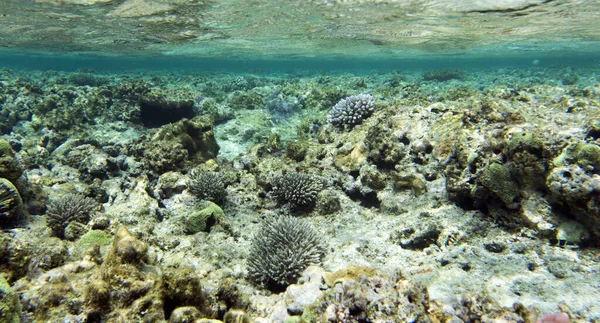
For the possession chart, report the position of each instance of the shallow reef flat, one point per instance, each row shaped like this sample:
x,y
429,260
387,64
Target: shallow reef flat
x,y
398,196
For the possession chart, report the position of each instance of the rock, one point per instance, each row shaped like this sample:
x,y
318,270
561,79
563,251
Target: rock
x,y
328,202
236,316
11,206
299,296
14,257
195,135
182,288
126,249
185,314
498,180
74,230
169,184
412,181
10,167
353,159
10,307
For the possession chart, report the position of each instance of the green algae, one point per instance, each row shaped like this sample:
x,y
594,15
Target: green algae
x,y
94,237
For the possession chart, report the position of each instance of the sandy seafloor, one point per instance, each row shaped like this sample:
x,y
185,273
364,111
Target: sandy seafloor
x,y
444,205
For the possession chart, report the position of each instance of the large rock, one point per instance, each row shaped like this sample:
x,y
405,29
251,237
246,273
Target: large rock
x,y
11,206
10,167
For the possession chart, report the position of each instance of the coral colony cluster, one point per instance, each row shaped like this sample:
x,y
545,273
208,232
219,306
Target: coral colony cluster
x,y
441,197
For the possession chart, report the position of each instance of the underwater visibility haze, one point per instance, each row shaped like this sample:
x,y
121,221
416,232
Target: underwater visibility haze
x,y
299,161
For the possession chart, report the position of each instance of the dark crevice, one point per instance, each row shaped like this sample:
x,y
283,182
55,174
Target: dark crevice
x,y
366,200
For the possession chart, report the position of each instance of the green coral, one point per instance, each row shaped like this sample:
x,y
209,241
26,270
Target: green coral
x,y
584,154
203,220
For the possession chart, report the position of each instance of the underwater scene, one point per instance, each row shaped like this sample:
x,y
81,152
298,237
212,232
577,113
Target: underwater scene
x,y
206,161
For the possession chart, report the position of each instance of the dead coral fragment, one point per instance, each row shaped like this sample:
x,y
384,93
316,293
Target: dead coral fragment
x,y
69,208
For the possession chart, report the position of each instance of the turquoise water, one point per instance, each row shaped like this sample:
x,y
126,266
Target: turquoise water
x,y
315,65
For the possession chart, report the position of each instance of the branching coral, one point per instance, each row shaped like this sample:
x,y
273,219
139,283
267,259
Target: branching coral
x,y
206,185
297,189
67,209
351,110
282,249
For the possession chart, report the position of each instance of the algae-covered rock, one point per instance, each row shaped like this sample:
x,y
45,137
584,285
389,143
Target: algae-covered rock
x,y
157,110
528,159
296,150
175,144
498,180
588,155
126,249
386,145
236,316
195,135
10,308
182,287
185,314
352,158
205,219
11,206
10,167
14,257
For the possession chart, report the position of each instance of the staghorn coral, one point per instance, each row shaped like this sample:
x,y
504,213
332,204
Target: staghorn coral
x,y
297,189
351,110
206,185
68,209
281,250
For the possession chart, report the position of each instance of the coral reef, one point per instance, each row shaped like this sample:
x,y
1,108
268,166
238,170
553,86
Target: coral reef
x,y
476,199
281,250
